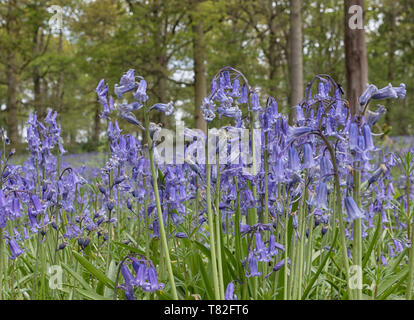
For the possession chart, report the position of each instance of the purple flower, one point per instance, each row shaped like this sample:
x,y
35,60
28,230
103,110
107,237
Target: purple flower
x,y
352,209
167,108
367,94
141,93
126,84
253,267
208,108
366,132
255,103
14,249
244,94
321,199
230,292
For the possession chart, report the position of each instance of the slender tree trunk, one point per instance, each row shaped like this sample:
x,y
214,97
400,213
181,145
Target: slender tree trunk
x,y
355,55
43,97
97,124
11,76
200,80
391,54
59,93
12,129
273,57
162,87
37,95
295,59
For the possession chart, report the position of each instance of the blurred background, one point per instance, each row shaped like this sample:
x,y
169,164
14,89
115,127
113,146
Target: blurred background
x,y
178,46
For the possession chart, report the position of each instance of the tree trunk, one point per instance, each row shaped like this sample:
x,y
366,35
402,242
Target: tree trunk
x,y
12,131
295,59
200,80
273,57
355,57
97,124
391,54
11,75
37,95
59,93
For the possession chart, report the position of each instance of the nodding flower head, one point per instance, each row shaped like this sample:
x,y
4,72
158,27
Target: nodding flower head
x,y
167,108
208,107
255,103
14,249
126,84
244,97
230,292
352,209
141,93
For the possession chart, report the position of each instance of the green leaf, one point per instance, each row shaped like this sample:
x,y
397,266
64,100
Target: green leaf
x,y
93,270
91,294
77,276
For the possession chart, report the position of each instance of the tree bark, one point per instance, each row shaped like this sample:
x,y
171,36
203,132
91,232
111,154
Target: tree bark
x,y
295,59
59,93
200,80
355,58
12,129
11,75
391,54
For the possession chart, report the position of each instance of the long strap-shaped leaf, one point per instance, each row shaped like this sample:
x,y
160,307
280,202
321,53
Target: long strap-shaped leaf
x,y
325,259
95,271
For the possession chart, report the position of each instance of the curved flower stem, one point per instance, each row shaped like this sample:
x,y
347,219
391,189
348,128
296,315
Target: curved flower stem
x,y
158,203
302,232
2,247
253,187
218,231
338,210
211,224
411,252
357,259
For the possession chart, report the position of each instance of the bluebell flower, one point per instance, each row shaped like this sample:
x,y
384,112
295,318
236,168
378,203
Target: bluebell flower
x,y
130,117
253,267
352,209
321,198
208,108
367,94
387,92
126,84
141,93
308,160
167,108
128,286
230,292
129,107
353,136
244,94
14,249
366,132
293,163
236,89
372,117
299,131
255,103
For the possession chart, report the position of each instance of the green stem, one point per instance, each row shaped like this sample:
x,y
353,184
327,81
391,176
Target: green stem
x,y
2,249
338,210
357,259
218,231
411,252
211,224
158,203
